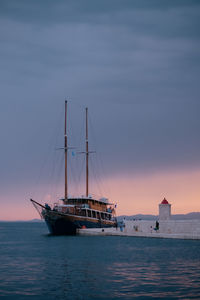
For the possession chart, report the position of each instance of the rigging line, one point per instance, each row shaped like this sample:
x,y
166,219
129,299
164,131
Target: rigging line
x,y
95,177
57,182
78,162
59,129
60,173
82,169
53,178
80,134
75,140
52,174
100,167
72,175
99,160
76,165
46,157
99,178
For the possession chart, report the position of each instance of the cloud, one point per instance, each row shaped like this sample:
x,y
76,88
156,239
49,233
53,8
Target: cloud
x,y
135,64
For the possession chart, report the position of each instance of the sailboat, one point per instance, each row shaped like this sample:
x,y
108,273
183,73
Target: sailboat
x,y
79,212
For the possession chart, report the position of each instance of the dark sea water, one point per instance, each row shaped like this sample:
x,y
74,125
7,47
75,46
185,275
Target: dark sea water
x,y
34,265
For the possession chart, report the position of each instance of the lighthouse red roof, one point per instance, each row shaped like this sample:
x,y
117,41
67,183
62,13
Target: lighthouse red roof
x,y
164,201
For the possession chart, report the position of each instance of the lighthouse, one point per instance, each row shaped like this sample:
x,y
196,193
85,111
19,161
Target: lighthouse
x,y
164,210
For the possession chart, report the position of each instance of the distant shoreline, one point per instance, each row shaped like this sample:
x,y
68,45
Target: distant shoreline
x,y
188,216
32,221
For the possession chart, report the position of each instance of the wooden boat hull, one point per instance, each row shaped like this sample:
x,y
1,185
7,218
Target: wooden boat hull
x,y
60,223
63,224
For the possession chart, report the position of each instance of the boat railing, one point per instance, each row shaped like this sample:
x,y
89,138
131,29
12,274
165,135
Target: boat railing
x,y
79,210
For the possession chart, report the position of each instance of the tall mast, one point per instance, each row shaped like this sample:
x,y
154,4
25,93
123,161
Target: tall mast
x,y
65,147
86,151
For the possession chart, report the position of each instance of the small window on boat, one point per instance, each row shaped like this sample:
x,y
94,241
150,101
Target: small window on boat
x,y
102,215
94,214
83,212
98,217
89,213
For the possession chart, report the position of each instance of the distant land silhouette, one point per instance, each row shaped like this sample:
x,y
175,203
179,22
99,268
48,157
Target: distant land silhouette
x,y
189,216
33,220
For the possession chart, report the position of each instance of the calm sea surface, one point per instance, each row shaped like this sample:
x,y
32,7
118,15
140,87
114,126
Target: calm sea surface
x,y
35,265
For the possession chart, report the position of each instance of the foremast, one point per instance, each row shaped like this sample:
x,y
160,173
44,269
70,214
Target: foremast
x,y
66,150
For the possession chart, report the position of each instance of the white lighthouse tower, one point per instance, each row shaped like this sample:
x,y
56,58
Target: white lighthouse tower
x,y
164,210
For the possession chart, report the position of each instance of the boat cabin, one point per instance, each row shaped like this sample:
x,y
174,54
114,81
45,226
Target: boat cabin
x,y
87,207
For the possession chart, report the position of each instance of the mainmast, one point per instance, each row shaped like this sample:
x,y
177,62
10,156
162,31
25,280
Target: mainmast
x,y
86,151
65,148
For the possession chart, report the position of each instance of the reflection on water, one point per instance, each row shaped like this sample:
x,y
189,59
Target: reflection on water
x,y
35,264
171,280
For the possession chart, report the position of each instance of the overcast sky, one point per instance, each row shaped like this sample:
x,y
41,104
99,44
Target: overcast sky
x,y
135,64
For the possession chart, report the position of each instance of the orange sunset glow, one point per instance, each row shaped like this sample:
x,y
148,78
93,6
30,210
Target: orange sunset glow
x,y
143,194
133,194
